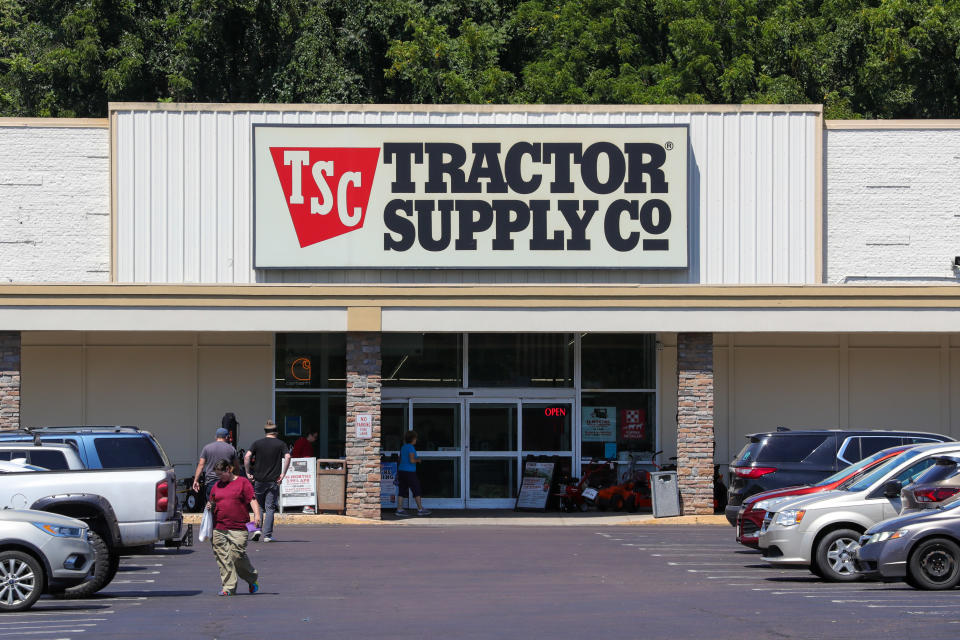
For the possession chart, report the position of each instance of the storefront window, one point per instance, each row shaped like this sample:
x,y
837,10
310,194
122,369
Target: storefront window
x,y
311,361
618,361
520,359
300,413
422,359
612,423
546,426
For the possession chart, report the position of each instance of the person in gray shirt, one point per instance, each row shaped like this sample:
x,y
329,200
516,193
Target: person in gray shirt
x,y
210,455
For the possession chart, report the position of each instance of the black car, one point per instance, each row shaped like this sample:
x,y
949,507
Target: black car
x,y
786,457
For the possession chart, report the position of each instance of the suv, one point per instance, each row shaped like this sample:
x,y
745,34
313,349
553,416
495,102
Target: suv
x,y
120,447
786,458
40,552
52,456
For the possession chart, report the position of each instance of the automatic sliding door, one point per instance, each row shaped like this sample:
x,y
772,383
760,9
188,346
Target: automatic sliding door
x,y
492,459
440,445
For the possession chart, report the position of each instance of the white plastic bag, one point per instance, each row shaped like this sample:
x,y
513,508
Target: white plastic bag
x,y
206,525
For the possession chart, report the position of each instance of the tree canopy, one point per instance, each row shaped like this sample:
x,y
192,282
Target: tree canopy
x,y
860,58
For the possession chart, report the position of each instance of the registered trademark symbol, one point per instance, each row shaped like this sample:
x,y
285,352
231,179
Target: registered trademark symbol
x,y
669,146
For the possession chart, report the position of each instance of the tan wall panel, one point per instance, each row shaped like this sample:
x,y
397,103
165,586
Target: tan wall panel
x,y
49,338
236,379
50,392
667,418
894,340
238,338
895,388
773,387
786,339
150,387
182,338
721,404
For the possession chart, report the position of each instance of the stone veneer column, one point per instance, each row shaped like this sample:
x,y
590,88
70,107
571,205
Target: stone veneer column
x,y
363,396
695,436
9,379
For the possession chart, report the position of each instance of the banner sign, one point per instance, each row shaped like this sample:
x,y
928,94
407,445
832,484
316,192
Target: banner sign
x,y
299,487
633,424
388,484
470,197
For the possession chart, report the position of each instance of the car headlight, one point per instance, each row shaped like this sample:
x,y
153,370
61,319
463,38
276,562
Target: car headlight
x,y
881,536
766,505
790,517
60,530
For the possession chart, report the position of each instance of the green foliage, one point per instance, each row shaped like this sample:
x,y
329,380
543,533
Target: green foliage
x,y
860,58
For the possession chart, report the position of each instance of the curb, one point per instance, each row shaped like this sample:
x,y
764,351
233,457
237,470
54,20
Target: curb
x,y
547,520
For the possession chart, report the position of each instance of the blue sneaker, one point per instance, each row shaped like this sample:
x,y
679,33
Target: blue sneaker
x,y
254,587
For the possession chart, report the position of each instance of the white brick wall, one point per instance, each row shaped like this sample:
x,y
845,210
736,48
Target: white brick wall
x,y
54,204
892,206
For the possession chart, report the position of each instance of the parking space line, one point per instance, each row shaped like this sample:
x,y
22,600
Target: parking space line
x,y
37,633
36,622
40,612
132,581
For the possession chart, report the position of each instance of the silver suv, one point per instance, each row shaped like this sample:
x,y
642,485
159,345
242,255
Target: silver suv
x,y
40,552
56,457
822,532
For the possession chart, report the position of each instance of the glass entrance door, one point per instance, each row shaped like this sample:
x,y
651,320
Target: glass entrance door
x,y
472,449
493,452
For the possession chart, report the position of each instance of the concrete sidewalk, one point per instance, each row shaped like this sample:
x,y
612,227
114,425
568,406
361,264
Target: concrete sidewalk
x,y
495,517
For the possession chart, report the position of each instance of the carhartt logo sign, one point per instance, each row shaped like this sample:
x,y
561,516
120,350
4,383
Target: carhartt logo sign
x,y
326,189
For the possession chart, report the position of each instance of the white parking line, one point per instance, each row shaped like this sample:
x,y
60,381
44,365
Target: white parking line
x,y
40,612
706,564
36,633
913,607
39,622
131,581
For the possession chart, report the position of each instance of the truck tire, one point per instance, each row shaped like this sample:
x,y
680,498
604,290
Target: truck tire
x,y
22,581
105,565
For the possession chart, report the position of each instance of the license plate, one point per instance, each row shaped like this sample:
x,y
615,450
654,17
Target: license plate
x,y
590,493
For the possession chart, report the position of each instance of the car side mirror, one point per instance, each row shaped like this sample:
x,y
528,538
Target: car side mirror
x,y
892,489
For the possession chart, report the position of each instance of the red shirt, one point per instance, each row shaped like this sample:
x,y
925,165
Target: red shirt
x,y
302,448
232,504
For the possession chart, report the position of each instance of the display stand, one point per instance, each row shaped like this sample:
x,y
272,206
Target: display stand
x,y
536,484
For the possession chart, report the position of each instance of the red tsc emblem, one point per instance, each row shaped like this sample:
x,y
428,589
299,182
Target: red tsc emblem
x,y
326,189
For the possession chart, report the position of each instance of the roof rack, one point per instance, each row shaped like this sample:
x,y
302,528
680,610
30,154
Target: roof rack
x,y
86,428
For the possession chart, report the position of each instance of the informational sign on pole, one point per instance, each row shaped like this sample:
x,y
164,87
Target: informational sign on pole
x,y
535,486
364,424
299,487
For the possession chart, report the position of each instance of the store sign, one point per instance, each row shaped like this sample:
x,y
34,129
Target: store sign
x,y
469,197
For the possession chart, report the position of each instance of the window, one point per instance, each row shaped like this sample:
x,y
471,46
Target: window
x,y
322,411
422,360
618,361
785,448
127,453
311,361
50,459
546,427
520,359
615,422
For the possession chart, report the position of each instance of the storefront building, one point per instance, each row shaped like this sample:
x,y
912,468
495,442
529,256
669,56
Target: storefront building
x,y
592,283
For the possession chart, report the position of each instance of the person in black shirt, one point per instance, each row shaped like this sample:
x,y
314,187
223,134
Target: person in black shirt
x,y
267,462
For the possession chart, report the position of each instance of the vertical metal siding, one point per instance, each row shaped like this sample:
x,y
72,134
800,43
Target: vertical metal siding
x,y
184,197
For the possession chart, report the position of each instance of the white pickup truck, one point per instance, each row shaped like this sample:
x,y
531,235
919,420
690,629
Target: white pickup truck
x,y
124,507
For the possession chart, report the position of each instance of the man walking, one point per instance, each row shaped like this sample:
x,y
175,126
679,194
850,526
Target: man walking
x,y
210,455
267,462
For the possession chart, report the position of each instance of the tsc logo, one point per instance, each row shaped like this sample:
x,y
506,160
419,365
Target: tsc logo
x,y
326,189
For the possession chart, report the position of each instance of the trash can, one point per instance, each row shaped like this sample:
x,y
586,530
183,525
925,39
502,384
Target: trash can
x,y
665,493
331,485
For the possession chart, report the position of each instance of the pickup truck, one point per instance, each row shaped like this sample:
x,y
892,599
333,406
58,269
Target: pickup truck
x,y
124,506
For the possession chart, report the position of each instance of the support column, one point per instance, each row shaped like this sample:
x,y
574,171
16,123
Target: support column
x,y
9,379
695,436
363,397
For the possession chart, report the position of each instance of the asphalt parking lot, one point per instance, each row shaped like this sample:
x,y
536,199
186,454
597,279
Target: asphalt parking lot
x,y
485,582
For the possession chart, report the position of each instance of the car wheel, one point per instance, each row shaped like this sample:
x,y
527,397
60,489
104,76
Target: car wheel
x,y
815,570
191,503
21,581
833,556
105,564
935,565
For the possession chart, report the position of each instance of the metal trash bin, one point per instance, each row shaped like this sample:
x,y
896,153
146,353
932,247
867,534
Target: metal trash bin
x,y
665,493
331,485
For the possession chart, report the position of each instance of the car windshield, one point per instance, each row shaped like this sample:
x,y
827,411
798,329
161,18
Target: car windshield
x,y
866,481
856,468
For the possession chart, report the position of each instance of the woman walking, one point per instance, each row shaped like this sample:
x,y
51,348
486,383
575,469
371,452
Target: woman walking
x,y
229,500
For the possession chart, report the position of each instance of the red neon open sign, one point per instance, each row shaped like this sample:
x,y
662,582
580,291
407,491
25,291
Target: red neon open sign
x,y
555,412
